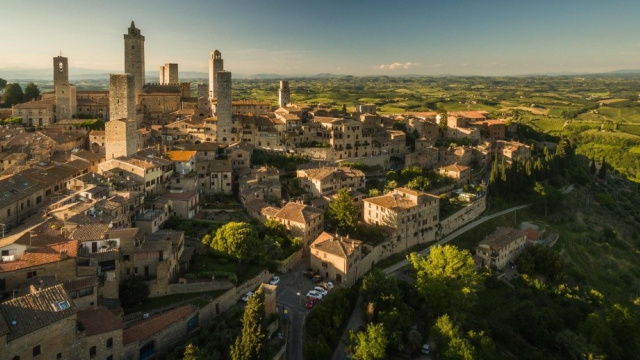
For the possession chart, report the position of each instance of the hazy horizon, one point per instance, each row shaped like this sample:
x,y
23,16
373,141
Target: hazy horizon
x,y
418,37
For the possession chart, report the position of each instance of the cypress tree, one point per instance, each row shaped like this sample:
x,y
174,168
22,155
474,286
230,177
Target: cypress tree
x,y
252,342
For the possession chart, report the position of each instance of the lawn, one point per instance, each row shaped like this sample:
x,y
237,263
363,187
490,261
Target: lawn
x,y
549,125
164,301
217,262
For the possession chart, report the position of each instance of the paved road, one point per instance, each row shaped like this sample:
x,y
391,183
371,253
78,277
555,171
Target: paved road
x,y
397,266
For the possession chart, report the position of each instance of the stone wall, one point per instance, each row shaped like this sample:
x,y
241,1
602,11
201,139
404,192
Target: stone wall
x,y
200,286
462,216
291,262
317,153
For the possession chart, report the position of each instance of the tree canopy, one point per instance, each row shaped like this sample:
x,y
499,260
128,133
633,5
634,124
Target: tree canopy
x,y
343,213
238,239
251,344
446,278
31,91
370,344
12,94
3,83
133,291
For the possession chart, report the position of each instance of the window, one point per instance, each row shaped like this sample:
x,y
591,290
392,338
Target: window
x,y
59,356
92,352
36,350
110,357
5,252
31,274
125,257
109,343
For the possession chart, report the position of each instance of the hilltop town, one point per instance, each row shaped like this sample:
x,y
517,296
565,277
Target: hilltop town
x,y
105,195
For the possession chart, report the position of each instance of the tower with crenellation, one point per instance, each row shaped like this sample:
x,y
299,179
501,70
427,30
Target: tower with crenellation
x,y
284,94
169,74
134,56
216,64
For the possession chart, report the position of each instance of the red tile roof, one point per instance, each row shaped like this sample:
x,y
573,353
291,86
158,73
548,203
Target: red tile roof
x,y
148,327
99,320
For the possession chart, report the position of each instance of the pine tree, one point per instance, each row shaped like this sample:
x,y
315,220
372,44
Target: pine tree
x,y
603,170
251,344
592,167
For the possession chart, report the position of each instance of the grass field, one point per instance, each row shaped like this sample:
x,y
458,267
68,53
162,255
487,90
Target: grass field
x,y
549,125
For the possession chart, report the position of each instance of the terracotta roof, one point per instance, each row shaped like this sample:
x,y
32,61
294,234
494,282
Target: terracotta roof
x,y
501,237
99,320
97,133
90,232
336,245
392,201
299,213
42,255
35,104
87,155
532,234
33,311
454,167
183,196
180,155
82,283
148,327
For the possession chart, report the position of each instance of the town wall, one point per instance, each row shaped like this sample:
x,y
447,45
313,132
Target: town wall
x,y
463,216
380,160
200,286
291,262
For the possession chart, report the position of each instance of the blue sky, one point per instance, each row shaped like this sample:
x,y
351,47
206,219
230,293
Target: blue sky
x,y
292,37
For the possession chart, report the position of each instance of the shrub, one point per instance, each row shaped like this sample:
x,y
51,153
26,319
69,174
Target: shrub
x,y
223,261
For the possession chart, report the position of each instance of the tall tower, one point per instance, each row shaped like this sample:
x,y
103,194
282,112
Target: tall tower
x,y
60,71
215,65
66,103
134,56
169,74
284,94
122,104
121,138
224,125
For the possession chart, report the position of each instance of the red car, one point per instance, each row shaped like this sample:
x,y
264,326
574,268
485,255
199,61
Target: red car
x,y
311,303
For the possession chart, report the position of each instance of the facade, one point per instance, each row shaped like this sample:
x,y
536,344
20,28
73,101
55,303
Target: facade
x,y
121,138
35,112
410,213
134,58
336,257
322,181
169,74
122,96
501,247
301,220
224,126
461,173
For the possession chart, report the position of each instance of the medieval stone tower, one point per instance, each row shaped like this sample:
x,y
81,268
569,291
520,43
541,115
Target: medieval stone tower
x,y
120,138
122,104
224,125
134,56
284,94
215,65
66,105
169,74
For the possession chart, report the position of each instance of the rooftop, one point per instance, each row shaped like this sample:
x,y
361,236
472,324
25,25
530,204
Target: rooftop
x,y
299,213
148,327
335,244
99,320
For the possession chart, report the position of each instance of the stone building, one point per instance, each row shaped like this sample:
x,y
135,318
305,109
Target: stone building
x,y
35,112
134,58
460,173
169,74
65,93
225,133
40,324
99,334
301,220
410,213
501,247
122,97
336,257
322,181
121,138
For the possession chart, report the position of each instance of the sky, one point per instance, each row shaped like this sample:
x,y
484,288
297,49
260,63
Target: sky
x,y
305,37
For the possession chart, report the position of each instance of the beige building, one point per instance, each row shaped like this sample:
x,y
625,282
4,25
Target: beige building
x,y
337,258
460,173
513,150
411,213
301,220
183,204
501,247
35,112
322,181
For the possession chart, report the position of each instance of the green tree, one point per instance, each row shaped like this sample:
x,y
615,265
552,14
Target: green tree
x,y
133,291
452,345
192,352
252,342
238,239
343,213
370,344
602,173
444,116
3,84
446,278
31,91
273,227
592,166
12,95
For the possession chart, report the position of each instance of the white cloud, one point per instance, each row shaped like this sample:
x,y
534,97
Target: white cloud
x,y
397,65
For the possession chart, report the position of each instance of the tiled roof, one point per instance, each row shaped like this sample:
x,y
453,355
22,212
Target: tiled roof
x,y
501,237
181,155
299,213
90,232
28,313
82,283
454,167
148,327
392,201
89,156
336,245
180,196
99,320
42,255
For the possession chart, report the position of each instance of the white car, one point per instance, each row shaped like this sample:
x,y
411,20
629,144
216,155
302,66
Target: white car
x,y
274,280
315,294
327,285
246,296
426,349
320,290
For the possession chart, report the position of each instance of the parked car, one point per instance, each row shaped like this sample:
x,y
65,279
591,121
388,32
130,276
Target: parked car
x,y
311,303
315,294
327,285
308,273
426,349
274,280
246,296
316,278
320,290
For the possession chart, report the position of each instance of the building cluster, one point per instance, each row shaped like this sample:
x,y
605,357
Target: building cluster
x,y
82,210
